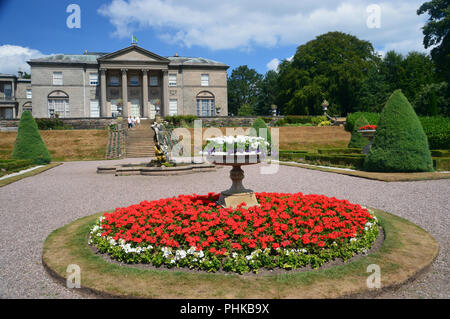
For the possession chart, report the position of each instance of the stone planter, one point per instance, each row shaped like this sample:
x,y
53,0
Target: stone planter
x,y
369,134
237,193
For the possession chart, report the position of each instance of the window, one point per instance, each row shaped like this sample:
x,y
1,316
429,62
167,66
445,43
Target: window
x,y
134,80
95,108
205,79
173,107
8,90
153,81
57,78
59,107
205,107
172,80
93,79
29,94
114,80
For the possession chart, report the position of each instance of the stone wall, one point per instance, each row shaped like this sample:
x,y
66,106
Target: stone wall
x,y
75,123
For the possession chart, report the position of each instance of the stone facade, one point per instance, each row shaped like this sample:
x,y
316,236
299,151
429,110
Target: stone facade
x,y
132,81
13,95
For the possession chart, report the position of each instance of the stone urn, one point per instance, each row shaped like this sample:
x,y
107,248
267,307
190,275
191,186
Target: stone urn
x,y
369,134
237,194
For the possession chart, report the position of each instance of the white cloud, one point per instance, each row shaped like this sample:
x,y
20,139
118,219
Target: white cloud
x,y
236,24
273,64
13,57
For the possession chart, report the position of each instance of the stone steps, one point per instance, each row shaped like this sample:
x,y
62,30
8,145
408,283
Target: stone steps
x,y
139,141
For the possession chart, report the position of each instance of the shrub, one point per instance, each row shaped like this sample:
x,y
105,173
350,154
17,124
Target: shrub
x,y
400,144
29,144
324,123
49,124
437,130
371,118
298,119
260,124
440,153
176,120
318,119
357,140
10,165
441,163
292,155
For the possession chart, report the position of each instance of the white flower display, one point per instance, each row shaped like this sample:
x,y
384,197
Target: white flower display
x,y
236,145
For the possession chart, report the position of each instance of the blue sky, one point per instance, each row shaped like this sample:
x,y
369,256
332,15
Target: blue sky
x,y
258,33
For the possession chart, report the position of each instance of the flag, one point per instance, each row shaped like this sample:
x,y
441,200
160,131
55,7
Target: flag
x,y
134,39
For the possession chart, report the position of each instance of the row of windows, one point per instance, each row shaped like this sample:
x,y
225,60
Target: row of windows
x,y
134,80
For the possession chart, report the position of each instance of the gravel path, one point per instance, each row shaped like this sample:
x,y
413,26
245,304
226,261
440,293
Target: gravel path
x,y
33,207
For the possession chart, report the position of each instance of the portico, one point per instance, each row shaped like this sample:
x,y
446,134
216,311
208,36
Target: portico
x,y
134,81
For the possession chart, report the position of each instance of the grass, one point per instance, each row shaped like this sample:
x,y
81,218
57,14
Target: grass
x,y
406,251
69,145
385,177
13,179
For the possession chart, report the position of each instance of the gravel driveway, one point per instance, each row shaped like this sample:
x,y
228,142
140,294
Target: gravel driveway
x,y
33,207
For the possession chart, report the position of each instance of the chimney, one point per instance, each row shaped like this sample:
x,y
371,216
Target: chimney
x,y
176,55
20,73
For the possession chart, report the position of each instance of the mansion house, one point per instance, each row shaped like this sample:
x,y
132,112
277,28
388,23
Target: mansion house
x,y
129,82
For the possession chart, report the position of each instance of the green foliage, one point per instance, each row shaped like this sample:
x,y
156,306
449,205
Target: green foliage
x,y
374,91
441,163
433,99
437,34
49,124
437,130
267,93
260,124
246,110
331,66
29,144
400,143
177,120
357,140
291,155
12,165
440,153
243,88
372,118
354,160
318,119
340,151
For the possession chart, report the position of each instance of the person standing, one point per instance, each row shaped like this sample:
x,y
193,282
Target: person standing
x,y
130,122
138,121
134,121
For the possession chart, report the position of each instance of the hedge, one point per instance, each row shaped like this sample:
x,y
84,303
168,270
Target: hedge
x,y
291,155
10,165
346,160
260,124
437,130
29,144
440,153
441,163
177,119
400,144
340,151
357,140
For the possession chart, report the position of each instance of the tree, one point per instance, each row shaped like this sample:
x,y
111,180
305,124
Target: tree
x,y
374,91
267,93
400,144
246,110
419,71
29,144
243,88
433,99
331,66
436,33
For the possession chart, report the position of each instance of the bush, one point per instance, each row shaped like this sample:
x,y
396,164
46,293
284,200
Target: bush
x,y
357,140
260,124
49,124
10,165
298,119
356,160
176,120
292,155
400,144
441,163
318,119
440,153
329,151
29,144
437,130
371,118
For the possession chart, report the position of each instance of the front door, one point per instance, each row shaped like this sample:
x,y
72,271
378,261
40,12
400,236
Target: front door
x,y
135,109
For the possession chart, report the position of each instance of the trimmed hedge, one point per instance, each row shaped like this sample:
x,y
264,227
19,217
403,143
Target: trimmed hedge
x,y
440,153
177,119
10,165
340,151
372,119
441,163
29,144
291,155
400,144
346,160
437,130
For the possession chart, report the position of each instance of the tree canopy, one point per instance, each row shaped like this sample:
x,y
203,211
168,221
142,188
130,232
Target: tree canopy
x,y
243,88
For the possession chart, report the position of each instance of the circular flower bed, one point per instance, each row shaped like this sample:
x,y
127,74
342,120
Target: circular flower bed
x,y
286,231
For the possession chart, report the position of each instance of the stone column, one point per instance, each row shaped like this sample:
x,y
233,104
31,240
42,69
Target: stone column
x,y
145,112
104,106
165,94
125,111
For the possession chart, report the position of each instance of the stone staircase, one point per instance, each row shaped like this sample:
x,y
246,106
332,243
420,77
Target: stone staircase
x,y
139,141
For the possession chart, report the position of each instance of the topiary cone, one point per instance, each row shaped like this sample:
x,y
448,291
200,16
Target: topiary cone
x,y
29,144
357,140
400,144
260,124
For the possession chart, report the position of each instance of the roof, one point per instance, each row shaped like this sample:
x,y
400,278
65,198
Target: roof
x,y
194,61
3,75
68,58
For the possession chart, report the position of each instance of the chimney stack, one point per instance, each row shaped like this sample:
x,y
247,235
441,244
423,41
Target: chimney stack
x,y
20,73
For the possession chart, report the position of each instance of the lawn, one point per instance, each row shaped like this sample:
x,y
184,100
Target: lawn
x,y
70,145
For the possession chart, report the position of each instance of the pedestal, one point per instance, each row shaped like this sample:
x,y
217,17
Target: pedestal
x,y
237,194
